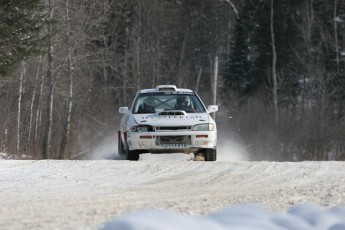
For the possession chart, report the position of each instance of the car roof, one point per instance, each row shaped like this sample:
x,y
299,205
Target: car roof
x,y
165,88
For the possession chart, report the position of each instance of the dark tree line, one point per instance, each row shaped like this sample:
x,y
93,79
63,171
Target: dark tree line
x,y
309,42
68,65
20,32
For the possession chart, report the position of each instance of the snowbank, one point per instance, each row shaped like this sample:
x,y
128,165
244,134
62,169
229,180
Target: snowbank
x,y
242,217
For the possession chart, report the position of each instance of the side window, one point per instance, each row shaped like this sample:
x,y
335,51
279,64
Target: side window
x,y
136,105
197,106
191,101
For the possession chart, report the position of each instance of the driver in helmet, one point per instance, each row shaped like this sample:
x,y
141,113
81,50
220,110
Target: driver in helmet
x,y
148,106
182,104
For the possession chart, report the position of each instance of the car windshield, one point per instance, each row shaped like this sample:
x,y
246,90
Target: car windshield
x,y
165,101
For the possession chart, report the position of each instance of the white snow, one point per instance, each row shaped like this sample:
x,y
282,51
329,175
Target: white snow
x,y
5,156
242,217
166,157
169,192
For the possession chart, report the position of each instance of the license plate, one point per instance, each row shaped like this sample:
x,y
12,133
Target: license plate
x,y
174,146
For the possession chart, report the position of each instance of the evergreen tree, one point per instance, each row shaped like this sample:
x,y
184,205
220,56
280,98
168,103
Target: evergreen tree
x,y
20,31
240,66
251,54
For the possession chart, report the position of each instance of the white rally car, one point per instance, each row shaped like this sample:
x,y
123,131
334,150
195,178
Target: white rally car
x,y
167,119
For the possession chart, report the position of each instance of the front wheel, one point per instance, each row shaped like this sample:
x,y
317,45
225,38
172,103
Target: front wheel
x,y
120,148
133,155
210,154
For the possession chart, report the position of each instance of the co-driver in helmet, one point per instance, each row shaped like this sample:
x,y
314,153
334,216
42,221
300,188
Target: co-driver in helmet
x,y
148,105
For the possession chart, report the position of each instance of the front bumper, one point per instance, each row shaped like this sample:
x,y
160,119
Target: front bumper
x,y
170,142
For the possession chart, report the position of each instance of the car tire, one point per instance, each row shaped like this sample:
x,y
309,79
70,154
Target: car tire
x,y
133,155
210,154
120,148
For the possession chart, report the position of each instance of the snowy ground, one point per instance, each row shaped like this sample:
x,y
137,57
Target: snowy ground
x,y
164,193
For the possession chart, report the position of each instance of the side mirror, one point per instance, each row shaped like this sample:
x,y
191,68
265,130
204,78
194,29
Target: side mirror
x,y
212,108
124,110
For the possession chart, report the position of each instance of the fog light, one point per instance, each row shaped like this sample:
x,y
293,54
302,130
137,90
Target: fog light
x,y
201,136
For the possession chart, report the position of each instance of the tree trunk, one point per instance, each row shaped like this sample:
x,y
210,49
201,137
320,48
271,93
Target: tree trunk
x,y
4,144
67,123
125,71
214,84
336,35
180,76
274,71
33,98
138,42
20,93
198,79
50,91
39,109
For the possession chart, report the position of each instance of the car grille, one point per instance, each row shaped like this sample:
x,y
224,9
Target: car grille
x,y
173,140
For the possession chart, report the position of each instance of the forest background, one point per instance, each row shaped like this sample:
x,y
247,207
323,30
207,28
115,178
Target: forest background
x,y
67,65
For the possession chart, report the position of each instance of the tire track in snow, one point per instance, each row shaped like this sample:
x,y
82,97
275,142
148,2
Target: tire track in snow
x,y
83,194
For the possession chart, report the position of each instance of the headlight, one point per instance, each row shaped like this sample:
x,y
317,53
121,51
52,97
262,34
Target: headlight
x,y
204,127
142,128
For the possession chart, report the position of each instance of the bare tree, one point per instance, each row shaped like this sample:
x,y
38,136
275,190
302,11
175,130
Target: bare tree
x,y
67,122
336,35
20,94
274,66
214,81
199,71
33,101
50,90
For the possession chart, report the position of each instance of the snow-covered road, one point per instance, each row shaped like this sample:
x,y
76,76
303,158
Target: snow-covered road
x,y
52,194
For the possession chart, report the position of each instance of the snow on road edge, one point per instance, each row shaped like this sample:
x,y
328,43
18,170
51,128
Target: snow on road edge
x,y
85,194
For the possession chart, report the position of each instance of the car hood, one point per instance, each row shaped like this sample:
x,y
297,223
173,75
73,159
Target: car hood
x,y
172,120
